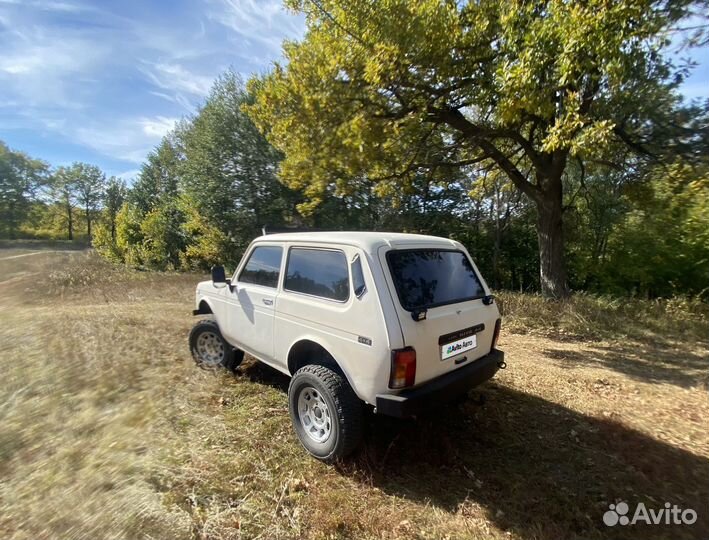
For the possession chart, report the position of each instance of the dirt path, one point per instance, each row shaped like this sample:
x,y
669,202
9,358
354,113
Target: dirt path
x,y
43,252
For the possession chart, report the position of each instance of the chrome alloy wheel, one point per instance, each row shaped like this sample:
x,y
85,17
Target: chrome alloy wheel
x,y
210,349
314,414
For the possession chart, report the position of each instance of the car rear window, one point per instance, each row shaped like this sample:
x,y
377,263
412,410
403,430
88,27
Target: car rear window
x,y
427,278
318,272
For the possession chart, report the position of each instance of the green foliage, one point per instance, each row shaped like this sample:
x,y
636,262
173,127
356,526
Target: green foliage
x,y
661,245
20,178
162,238
62,192
78,185
157,182
114,197
206,190
499,124
129,236
148,225
89,184
48,220
229,170
381,92
105,245
205,243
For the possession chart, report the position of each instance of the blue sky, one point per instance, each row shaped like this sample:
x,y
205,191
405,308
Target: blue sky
x,y
102,82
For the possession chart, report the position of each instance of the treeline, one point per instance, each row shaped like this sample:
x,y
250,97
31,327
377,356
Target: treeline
x,y
210,186
63,203
212,183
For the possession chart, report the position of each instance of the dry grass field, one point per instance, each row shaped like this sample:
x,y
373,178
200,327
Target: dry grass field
x,y
108,430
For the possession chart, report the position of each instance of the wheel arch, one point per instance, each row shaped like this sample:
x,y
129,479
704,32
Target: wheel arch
x,y
204,307
311,351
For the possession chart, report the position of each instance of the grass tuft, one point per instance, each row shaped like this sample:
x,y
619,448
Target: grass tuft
x,y
587,316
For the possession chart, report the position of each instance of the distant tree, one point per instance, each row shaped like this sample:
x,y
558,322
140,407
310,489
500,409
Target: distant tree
x,y
113,200
20,178
129,238
660,245
90,183
157,182
523,87
153,205
229,169
63,191
162,238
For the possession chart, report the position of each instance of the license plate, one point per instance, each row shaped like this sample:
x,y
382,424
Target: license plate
x,y
459,346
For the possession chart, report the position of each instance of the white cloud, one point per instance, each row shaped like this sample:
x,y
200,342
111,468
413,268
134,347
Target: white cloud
x,y
128,175
263,24
41,66
129,139
174,77
158,126
49,5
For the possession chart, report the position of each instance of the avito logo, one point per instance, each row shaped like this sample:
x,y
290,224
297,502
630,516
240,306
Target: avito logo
x,y
671,514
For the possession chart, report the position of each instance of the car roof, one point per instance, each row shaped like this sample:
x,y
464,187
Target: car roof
x,y
368,241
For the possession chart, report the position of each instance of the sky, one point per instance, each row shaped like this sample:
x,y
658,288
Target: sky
x,y
103,81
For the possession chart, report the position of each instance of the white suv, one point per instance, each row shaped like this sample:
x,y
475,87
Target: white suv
x,y
399,322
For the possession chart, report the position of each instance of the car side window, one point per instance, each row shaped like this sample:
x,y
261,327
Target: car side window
x,y
360,286
263,266
318,272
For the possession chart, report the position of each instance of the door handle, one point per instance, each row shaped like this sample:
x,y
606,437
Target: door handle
x,y
267,301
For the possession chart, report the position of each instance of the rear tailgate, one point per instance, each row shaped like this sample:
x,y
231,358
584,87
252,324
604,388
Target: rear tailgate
x,y
458,328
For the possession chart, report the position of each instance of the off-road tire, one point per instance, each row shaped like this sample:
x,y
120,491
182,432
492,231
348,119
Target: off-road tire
x,y
344,407
231,357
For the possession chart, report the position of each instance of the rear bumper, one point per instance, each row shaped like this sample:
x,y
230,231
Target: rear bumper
x,y
440,390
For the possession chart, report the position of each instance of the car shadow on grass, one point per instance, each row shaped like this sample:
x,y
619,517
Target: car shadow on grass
x,y
533,467
258,372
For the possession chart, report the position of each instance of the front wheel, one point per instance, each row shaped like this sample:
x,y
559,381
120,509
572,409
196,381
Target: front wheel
x,y
210,350
326,413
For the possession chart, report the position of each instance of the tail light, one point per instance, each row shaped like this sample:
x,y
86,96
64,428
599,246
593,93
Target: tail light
x,y
496,334
403,368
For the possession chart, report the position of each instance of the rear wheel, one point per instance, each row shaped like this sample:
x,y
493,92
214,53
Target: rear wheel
x,y
326,413
210,350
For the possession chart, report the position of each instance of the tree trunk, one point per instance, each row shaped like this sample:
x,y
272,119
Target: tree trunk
x,y
552,270
498,241
71,221
88,222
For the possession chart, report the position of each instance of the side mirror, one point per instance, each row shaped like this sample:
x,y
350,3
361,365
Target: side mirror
x,y
218,274
489,299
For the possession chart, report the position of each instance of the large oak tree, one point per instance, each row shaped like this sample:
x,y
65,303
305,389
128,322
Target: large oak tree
x,y
383,91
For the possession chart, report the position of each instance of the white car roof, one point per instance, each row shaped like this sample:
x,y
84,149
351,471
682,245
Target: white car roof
x,y
368,241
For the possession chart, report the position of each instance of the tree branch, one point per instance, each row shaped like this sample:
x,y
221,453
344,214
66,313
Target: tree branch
x,y
638,147
480,137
